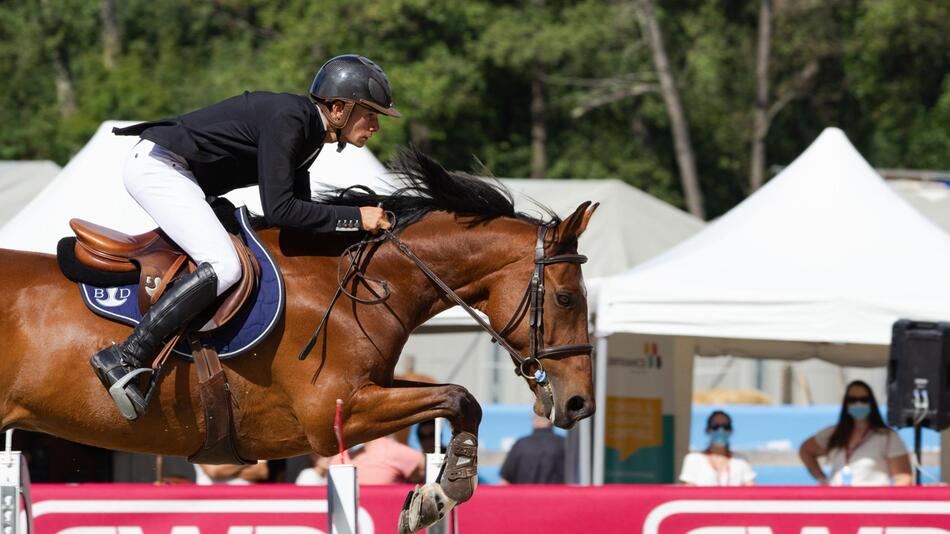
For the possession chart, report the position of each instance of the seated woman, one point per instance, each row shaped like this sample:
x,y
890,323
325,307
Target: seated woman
x,y
861,449
717,466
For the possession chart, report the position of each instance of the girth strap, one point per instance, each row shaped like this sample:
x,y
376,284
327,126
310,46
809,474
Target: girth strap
x,y
220,445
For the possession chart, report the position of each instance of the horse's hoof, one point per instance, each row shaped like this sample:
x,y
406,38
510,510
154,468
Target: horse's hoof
x,y
424,506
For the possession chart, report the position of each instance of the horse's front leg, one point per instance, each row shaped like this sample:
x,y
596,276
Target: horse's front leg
x,y
376,411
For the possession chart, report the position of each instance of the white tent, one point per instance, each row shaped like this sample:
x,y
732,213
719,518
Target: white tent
x,y
90,187
819,262
20,181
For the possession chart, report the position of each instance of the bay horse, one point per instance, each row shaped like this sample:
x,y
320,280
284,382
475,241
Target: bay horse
x,y
464,228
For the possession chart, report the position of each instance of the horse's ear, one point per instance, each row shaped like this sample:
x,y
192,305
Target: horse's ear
x,y
585,217
572,227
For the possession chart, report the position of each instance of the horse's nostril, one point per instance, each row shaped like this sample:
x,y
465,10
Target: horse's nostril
x,y
576,404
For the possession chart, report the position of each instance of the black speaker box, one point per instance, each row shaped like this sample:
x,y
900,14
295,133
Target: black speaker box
x,y
919,361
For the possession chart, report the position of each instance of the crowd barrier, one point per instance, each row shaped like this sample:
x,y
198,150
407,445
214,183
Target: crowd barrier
x,y
286,509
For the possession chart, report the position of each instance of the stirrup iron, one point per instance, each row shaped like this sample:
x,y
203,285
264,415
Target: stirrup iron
x,y
128,407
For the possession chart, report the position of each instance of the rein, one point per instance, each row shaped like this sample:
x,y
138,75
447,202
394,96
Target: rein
x,y
532,303
355,254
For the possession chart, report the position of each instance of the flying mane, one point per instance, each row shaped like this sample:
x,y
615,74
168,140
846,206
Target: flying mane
x,y
426,186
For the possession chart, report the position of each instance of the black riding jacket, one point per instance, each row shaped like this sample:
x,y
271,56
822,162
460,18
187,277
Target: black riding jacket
x,y
262,138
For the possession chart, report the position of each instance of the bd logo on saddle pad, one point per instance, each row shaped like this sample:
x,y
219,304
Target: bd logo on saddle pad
x,y
111,297
250,326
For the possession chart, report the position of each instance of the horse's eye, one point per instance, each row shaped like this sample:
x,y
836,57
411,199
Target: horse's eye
x,y
565,299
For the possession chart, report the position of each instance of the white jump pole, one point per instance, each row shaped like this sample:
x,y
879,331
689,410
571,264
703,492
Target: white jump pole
x,y
343,490
343,499
15,514
434,461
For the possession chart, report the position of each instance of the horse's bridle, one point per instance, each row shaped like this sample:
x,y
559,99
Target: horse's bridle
x,y
532,301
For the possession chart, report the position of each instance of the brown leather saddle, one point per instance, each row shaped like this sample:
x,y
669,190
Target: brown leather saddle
x,y
159,261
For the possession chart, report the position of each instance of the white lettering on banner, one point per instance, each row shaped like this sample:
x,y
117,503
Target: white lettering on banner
x,y
775,509
210,506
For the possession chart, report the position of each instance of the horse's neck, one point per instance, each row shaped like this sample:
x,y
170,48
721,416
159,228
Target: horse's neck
x,y
464,258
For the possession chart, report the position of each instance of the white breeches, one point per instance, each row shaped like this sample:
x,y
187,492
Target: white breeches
x,y
161,182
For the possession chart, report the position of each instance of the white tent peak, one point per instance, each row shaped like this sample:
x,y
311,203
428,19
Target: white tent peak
x,y
824,252
828,195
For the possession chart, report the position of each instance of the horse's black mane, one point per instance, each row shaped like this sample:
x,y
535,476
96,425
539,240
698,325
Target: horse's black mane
x,y
427,186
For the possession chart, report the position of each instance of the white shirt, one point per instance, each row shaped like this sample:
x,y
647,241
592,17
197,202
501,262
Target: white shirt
x,y
698,471
868,461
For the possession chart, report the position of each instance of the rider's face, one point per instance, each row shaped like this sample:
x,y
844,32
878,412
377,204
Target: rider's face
x,y
362,125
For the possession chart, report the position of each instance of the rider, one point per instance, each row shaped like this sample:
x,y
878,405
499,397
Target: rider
x,y
258,137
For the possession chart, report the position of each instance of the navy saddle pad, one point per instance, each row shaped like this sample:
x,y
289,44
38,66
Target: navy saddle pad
x,y
245,330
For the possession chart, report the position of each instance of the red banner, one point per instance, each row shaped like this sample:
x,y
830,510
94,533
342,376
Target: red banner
x,y
285,509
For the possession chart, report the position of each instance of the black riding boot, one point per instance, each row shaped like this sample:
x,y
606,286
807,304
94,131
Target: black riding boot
x,y
118,365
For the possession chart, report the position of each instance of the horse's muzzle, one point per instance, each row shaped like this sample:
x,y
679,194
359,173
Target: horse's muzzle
x,y
578,407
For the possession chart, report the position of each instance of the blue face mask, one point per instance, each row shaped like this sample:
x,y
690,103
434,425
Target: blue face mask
x,y
720,436
859,410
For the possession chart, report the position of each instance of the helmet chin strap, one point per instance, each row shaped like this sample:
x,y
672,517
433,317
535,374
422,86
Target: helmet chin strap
x,y
338,124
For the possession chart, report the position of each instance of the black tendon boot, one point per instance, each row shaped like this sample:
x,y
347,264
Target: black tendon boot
x,y
118,366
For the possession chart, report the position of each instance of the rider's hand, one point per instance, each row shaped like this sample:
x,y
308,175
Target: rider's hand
x,y
373,218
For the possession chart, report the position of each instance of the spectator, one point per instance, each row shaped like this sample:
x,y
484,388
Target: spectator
x,y
174,470
425,433
315,475
535,459
233,475
386,461
861,449
717,466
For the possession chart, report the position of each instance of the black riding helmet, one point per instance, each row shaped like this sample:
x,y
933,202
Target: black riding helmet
x,y
352,79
